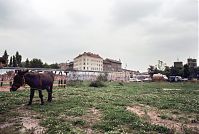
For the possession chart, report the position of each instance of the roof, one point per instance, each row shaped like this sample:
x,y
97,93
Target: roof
x,y
90,55
111,60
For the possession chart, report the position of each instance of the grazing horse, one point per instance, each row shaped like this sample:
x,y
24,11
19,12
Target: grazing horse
x,y
36,81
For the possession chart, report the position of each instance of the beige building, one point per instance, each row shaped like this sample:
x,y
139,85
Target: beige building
x,y
110,65
88,62
119,76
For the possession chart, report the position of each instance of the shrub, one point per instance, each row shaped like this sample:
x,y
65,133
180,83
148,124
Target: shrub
x,y
121,83
75,83
97,83
103,77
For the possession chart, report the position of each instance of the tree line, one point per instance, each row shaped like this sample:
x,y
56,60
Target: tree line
x,y
184,71
16,61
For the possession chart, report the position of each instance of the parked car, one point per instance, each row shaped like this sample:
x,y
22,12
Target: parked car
x,y
134,80
175,79
185,79
147,80
159,77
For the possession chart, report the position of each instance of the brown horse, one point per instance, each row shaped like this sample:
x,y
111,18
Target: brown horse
x,y
36,81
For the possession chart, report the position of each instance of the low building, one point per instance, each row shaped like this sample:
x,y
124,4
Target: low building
x,y
70,66
88,62
110,65
63,66
192,62
119,76
178,64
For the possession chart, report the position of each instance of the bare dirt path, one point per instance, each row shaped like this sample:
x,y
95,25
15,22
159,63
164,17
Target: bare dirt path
x,y
152,115
28,121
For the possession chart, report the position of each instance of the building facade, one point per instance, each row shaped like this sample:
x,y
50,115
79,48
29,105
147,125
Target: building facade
x,y
110,65
178,64
88,62
62,66
192,62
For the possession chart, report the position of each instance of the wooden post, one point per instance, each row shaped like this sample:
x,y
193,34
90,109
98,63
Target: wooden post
x,y
10,83
1,81
64,83
61,82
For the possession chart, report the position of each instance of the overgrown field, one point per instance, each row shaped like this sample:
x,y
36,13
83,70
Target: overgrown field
x,y
115,108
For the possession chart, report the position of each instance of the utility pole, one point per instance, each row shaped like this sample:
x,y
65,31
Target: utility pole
x,y
125,73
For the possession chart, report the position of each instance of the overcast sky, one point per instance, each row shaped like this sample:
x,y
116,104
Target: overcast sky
x,y
139,32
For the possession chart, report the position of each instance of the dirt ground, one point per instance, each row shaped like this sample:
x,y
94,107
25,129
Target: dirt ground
x,y
152,115
28,120
7,88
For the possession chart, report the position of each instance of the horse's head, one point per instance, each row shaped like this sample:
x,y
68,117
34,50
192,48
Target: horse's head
x,y
18,80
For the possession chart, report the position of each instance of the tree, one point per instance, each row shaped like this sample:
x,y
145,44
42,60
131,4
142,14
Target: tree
x,y
153,70
27,63
23,64
18,59
36,63
5,56
45,65
176,71
197,73
193,72
14,61
186,71
167,71
11,62
54,66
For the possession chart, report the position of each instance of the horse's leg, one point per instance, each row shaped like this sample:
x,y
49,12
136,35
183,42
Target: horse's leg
x,y
41,97
32,91
50,93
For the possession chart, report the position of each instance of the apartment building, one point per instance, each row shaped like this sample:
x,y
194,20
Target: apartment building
x,y
88,62
111,65
192,62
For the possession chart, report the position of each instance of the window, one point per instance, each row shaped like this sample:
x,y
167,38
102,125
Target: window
x,y
84,68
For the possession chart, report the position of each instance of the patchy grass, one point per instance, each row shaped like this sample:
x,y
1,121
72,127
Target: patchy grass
x,y
83,109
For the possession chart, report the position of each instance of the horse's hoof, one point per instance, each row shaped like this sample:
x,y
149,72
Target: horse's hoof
x,y
42,104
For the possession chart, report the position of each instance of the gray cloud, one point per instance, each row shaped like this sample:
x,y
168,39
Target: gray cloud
x,y
137,32
130,11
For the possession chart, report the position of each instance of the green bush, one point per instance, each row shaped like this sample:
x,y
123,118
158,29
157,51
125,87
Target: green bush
x,y
97,83
75,83
103,77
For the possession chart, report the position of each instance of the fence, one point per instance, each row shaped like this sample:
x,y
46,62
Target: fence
x,y
62,76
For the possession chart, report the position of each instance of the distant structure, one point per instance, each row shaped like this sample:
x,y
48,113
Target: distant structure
x,y
66,66
70,66
110,65
2,62
88,62
178,64
62,66
191,62
161,65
